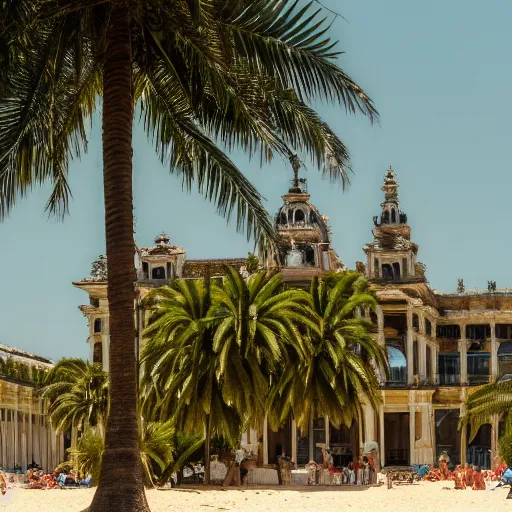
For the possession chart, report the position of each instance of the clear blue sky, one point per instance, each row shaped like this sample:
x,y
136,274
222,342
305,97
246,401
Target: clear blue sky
x,y
440,75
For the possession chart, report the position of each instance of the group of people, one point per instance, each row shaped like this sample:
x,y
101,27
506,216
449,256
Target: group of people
x,y
35,478
463,476
362,472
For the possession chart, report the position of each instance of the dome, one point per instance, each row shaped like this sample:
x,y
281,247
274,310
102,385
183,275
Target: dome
x,y
300,221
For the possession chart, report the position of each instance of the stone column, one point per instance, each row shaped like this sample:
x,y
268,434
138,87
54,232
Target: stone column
x,y
369,423
494,438
463,432
463,351
422,349
381,437
412,431
294,440
380,325
105,345
433,363
494,352
265,440
409,349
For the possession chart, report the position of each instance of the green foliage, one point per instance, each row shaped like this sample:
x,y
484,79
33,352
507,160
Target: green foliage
x,y
252,263
88,454
338,373
207,75
494,399
156,448
77,392
505,447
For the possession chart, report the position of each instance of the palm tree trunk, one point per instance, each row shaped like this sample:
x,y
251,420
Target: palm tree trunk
x,y
121,481
207,442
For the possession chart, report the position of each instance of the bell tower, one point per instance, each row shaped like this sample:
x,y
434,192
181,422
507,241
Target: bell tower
x,y
391,256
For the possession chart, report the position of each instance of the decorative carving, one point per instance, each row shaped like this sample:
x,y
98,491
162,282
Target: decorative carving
x,y
420,269
99,269
460,286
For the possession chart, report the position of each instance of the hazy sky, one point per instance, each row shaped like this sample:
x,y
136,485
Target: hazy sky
x,y
439,72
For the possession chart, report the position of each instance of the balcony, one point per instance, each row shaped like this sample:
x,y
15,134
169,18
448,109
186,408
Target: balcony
x,y
398,279
449,379
154,283
478,379
397,377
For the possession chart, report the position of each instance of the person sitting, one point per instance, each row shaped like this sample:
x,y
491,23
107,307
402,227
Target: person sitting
x,y
478,480
3,484
468,475
444,460
460,478
86,482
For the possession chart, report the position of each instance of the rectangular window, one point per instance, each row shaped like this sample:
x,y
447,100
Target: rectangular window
x,y
318,437
449,369
97,325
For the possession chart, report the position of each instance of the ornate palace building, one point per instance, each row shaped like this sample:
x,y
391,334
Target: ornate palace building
x,y
25,434
441,346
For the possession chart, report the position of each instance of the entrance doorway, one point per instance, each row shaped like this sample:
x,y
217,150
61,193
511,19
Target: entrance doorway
x,y
396,438
279,442
343,442
478,451
448,435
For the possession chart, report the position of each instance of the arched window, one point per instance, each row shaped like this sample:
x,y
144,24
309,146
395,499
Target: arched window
x,y
393,216
385,217
299,215
283,218
97,325
397,365
97,356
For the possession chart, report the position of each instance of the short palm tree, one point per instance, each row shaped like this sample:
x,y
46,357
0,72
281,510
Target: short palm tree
x,y
257,325
77,394
239,72
340,373
183,373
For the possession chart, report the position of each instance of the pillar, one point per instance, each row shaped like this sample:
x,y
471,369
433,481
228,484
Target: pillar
x,y
311,440
265,440
294,440
409,348
433,363
412,431
494,439
494,352
369,423
327,432
464,430
380,325
105,346
463,351
381,437
422,357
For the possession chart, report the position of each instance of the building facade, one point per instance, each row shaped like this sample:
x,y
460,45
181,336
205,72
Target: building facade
x,y
441,346
25,433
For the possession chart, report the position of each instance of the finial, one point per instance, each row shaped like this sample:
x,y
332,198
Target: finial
x,y
294,160
162,238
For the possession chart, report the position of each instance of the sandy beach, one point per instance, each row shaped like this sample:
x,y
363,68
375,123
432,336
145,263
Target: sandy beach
x,y
425,496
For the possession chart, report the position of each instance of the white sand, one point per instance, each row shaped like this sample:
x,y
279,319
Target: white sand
x,y
426,496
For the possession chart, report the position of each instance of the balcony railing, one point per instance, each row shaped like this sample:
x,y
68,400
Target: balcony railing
x,y
475,379
398,279
397,377
449,379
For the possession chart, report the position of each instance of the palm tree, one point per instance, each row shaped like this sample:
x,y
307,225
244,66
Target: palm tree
x,y
77,393
340,373
183,375
240,72
257,324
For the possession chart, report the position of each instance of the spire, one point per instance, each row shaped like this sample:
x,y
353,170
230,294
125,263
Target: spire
x,y
390,207
390,187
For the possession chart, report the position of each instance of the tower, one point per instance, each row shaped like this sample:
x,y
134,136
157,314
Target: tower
x,y
392,255
304,248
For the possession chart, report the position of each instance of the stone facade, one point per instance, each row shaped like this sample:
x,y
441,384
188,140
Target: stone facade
x,y
441,346
25,434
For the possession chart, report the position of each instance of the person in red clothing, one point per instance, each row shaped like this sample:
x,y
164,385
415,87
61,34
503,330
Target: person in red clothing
x,y
468,475
460,478
444,460
478,480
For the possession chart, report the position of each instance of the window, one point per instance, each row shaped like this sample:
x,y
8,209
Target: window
x,y
428,327
158,273
97,356
448,331
449,368
415,321
478,332
94,302
97,325
145,269
299,216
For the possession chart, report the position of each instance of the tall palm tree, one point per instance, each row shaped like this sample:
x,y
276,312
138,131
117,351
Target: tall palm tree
x,y
340,373
183,373
241,72
257,324
77,394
